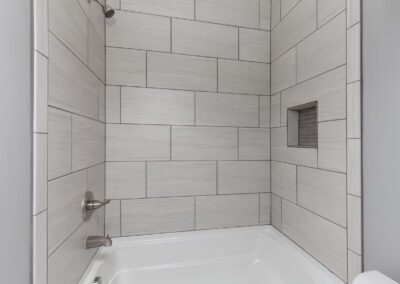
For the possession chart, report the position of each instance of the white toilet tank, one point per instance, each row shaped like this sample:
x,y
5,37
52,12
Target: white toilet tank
x,y
373,277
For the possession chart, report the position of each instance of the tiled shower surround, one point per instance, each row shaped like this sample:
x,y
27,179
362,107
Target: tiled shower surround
x,y
189,132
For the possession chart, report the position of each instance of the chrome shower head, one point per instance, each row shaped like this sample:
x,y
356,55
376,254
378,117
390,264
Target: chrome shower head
x,y
107,10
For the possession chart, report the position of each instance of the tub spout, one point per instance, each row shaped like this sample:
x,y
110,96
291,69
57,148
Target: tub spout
x,y
98,241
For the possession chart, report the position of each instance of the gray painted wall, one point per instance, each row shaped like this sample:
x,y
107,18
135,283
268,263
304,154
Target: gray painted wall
x,y
381,59
15,142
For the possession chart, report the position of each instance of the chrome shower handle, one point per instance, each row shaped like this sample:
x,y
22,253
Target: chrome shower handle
x,y
95,204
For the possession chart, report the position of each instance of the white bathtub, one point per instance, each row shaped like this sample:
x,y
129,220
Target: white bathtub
x,y
256,255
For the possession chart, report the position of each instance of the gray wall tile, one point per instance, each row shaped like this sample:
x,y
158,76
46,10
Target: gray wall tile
x,y
215,109
327,9
276,211
172,8
137,142
283,71
276,110
354,266
113,104
265,14
275,13
353,12
68,22
243,177
332,145
204,143
95,15
354,167
287,5
265,110
39,249
40,92
254,45
88,142
97,53
197,38
156,215
221,211
113,218
72,86
126,67
39,194
64,217
231,12
59,143
354,110
283,177
181,72
125,180
323,50
181,178
243,77
323,193
298,24
41,26
322,239
155,106
139,31
254,144
354,53
265,208
354,221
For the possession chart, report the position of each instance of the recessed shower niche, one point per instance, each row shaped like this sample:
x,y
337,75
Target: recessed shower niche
x,y
303,126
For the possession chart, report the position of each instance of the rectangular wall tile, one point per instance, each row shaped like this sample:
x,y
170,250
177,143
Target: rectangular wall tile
x,y
154,106
328,89
283,71
354,266
88,142
72,86
125,180
39,194
137,142
354,110
254,45
243,77
139,31
287,5
265,14
276,211
205,39
353,12
64,217
323,50
354,221
113,104
126,67
204,143
283,178
171,8
265,110
354,53
181,178
39,249
113,218
68,22
41,26
157,215
102,103
59,143
243,177
276,110
231,12
354,167
221,211
299,23
95,15
322,239
332,145
323,193
214,109
254,144
328,9
275,13
70,260
265,208
116,4
40,92
97,53
96,180
174,71
281,152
